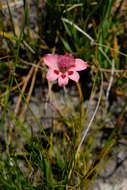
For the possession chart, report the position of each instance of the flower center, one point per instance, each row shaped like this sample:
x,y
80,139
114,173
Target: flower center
x,y
65,62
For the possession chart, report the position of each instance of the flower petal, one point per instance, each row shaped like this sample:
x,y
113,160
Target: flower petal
x,y
51,60
52,74
80,65
73,75
62,81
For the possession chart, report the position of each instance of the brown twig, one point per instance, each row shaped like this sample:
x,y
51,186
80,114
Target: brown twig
x,y
22,115
111,80
26,80
115,70
80,91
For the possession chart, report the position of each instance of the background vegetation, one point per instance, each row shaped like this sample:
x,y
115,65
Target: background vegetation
x,y
70,154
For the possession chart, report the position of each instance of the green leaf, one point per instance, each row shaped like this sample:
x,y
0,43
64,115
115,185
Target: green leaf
x,y
66,45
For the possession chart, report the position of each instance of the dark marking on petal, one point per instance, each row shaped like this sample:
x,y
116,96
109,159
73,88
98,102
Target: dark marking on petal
x,y
73,66
63,76
56,72
70,72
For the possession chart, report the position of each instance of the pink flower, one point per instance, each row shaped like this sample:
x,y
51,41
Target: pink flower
x,y
63,67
